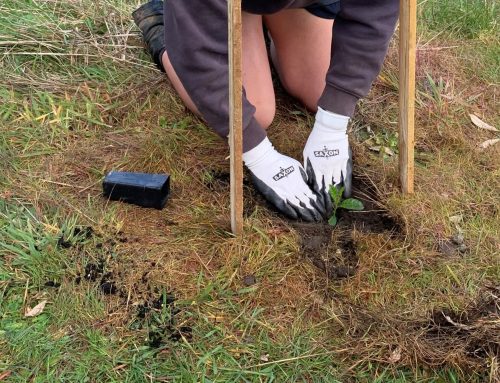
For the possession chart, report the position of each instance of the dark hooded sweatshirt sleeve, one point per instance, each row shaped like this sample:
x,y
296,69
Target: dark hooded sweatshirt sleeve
x,y
196,42
361,35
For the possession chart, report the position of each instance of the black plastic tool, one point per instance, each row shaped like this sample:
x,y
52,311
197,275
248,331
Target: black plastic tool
x,y
143,189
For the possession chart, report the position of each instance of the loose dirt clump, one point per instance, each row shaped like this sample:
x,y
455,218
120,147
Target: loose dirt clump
x,y
158,315
93,270
453,246
337,259
249,280
53,284
107,284
96,271
75,238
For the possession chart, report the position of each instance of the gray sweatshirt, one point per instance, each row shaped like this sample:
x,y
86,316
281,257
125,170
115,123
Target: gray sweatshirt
x,y
196,42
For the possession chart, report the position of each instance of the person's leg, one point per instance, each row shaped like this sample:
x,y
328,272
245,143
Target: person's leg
x,y
256,72
301,50
257,78
177,84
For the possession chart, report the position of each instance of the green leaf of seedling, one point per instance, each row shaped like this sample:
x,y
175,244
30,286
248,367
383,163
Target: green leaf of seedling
x,y
333,220
352,204
333,192
336,195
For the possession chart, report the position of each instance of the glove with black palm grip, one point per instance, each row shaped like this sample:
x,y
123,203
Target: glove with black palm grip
x,y
282,181
327,156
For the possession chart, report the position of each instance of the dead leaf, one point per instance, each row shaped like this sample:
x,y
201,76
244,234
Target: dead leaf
x,y
395,355
481,124
456,218
6,195
264,358
276,231
386,150
5,374
37,310
487,143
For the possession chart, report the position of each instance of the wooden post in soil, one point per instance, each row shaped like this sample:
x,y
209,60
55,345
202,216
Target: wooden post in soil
x,y
235,114
407,60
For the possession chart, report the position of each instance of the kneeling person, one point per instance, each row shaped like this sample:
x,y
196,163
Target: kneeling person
x,y
327,54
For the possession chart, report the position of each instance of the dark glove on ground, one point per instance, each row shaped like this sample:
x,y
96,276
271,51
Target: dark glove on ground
x,y
149,19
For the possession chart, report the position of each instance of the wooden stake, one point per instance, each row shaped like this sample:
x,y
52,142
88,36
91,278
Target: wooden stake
x,y
235,114
407,59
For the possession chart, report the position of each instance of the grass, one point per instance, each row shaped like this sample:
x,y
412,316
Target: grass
x,y
79,97
472,21
467,19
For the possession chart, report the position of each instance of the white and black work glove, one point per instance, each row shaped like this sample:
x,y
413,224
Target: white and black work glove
x,y
282,181
327,156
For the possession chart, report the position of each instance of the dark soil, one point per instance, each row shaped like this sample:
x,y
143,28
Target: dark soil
x,y
338,258
158,313
153,302
473,332
53,284
219,180
249,280
374,218
63,244
107,284
86,232
76,237
93,271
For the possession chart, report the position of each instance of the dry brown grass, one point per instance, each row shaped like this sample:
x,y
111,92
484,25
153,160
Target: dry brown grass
x,y
407,305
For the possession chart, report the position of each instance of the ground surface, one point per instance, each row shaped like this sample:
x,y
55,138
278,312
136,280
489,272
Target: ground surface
x,y
406,291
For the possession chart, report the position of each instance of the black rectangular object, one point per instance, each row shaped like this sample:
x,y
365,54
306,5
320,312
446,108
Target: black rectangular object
x,y
143,189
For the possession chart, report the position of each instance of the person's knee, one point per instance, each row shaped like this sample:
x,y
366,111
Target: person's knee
x,y
265,112
305,87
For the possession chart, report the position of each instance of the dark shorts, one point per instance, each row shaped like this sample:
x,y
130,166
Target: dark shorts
x,y
325,10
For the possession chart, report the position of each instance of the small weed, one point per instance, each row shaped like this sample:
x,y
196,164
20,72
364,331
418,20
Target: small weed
x,y
382,141
340,203
436,90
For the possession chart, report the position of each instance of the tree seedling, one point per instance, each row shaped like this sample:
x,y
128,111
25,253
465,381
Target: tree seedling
x,y
340,203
